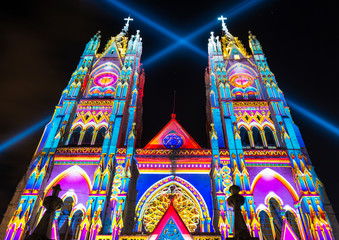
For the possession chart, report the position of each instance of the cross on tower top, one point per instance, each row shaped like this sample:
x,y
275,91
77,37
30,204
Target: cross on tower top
x,y
128,19
223,24
222,18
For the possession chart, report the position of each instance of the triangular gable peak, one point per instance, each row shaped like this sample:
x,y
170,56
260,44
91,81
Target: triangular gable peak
x,y
287,232
173,136
171,225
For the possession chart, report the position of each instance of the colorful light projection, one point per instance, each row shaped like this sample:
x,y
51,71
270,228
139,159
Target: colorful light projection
x,y
238,9
172,136
171,226
24,134
188,202
104,80
181,201
242,79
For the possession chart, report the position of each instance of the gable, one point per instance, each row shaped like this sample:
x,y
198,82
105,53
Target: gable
x,y
171,226
172,136
287,232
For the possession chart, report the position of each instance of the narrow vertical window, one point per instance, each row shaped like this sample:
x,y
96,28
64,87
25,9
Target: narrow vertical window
x,y
266,226
257,138
88,136
245,141
269,137
277,218
63,218
75,224
291,219
75,136
100,136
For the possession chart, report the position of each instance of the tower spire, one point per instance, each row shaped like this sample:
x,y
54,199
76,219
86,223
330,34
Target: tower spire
x,y
173,114
125,29
224,27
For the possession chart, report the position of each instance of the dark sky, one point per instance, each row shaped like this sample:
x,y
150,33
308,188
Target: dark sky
x,y
41,43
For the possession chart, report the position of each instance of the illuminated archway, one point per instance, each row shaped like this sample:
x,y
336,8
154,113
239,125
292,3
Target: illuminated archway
x,y
188,202
75,171
268,175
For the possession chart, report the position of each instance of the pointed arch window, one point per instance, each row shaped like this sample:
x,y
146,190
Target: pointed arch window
x,y
88,136
65,212
291,219
245,140
257,140
75,224
266,226
100,136
269,138
275,210
75,136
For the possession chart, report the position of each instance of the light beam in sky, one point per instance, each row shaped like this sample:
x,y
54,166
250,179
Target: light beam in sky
x,y
314,117
240,8
24,134
157,27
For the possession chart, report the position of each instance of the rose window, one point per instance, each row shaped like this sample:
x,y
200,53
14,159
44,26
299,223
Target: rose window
x,y
182,203
172,141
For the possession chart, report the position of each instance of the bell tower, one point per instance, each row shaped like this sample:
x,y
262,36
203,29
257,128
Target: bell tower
x,y
249,116
98,113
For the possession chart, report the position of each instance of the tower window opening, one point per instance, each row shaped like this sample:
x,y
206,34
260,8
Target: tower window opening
x,y
239,97
251,97
88,136
269,138
75,136
257,140
100,136
245,140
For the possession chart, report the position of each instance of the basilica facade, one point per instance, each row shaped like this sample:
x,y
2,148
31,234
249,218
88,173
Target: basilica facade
x,y
172,188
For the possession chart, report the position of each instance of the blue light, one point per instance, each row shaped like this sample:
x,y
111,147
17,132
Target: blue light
x,y
314,117
157,27
21,136
230,13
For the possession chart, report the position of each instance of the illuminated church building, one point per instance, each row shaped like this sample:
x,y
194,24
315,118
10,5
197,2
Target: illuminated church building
x,y
172,188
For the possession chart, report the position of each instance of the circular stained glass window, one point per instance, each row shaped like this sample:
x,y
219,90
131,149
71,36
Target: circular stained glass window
x,y
172,141
105,79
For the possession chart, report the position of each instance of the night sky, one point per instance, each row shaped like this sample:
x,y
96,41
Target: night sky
x,y
41,43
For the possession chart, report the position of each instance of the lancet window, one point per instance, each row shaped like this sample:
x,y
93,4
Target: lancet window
x,y
88,136
64,215
270,141
257,140
245,140
265,223
291,219
272,222
275,210
100,136
74,140
75,224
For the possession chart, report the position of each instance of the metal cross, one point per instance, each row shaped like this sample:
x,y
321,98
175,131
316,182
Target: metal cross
x,y
128,19
222,18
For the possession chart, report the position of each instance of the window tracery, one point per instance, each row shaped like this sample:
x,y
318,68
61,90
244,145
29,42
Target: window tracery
x,y
182,202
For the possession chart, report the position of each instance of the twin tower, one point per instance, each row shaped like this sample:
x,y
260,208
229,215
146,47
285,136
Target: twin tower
x,y
171,188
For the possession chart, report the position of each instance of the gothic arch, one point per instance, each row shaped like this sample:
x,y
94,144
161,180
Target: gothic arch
x,y
271,174
106,65
66,173
153,190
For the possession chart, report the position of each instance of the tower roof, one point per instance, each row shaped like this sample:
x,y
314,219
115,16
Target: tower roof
x,y
173,136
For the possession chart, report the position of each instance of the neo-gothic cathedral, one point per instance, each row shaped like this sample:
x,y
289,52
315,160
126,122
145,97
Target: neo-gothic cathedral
x,y
172,188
